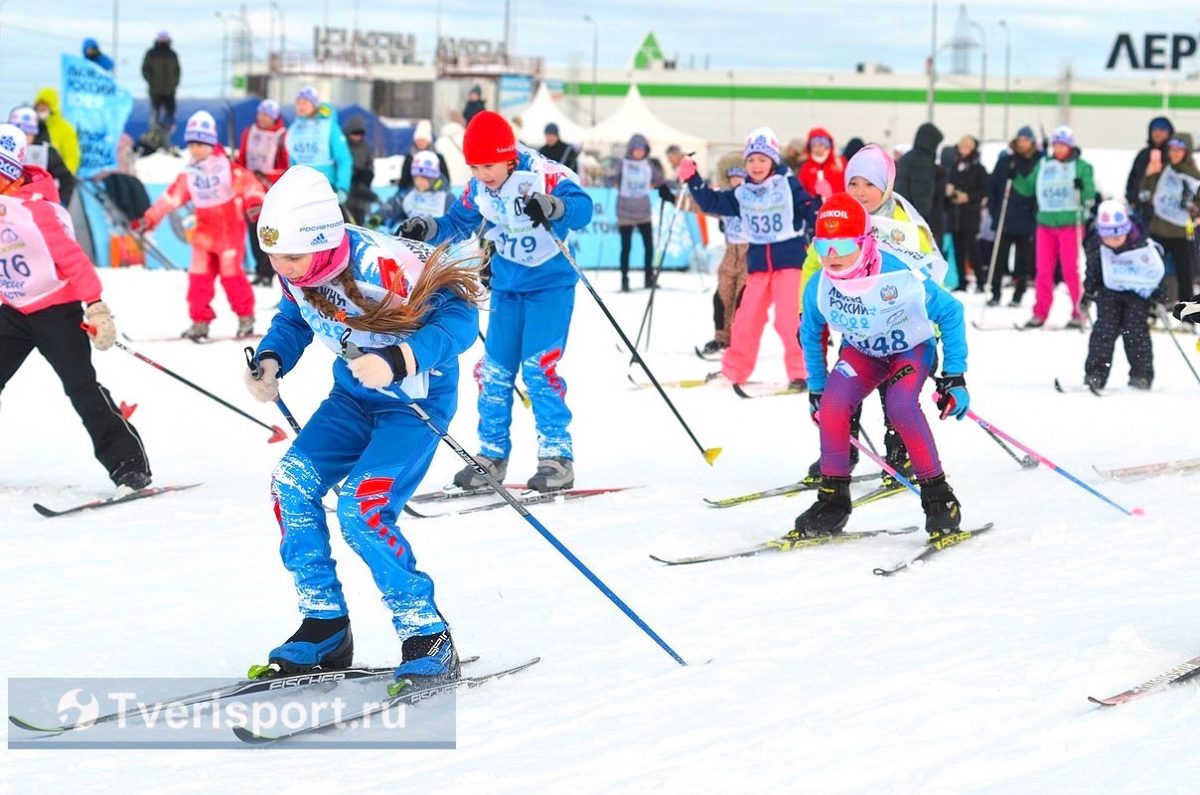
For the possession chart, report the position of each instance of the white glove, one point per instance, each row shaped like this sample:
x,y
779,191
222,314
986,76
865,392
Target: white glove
x,y
103,332
372,371
265,387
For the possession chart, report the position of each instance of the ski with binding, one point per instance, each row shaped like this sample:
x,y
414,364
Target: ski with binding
x,y
142,494
786,544
525,497
1184,466
933,547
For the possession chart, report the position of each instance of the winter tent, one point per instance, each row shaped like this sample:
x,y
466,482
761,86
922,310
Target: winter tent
x,y
634,116
544,110
235,115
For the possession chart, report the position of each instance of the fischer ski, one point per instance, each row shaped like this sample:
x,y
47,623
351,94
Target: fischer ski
x,y
807,484
1167,679
447,493
106,502
785,544
524,497
752,389
410,691
1186,466
933,547
687,383
243,688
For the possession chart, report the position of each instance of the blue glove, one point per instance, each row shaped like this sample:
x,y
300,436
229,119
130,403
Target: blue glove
x,y
953,398
814,406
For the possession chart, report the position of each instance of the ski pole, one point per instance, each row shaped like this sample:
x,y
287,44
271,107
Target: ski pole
x,y
878,459
710,454
996,243
1171,333
521,395
350,351
1048,463
283,409
661,257
1026,462
277,434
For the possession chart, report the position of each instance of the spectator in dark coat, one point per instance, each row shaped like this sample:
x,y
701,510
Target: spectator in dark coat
x,y
917,177
475,103
1020,216
851,148
966,186
1157,136
362,173
558,150
160,68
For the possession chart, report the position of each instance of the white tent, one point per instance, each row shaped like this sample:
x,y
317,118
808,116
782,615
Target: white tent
x,y
542,111
634,116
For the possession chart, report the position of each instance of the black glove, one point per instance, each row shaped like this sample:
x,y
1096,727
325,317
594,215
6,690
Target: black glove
x,y
1086,302
1187,312
418,228
952,395
543,208
485,275
1079,184
814,406
665,193
1012,168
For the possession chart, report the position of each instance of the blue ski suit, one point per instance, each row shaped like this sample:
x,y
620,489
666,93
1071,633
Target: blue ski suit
x,y
533,295
366,437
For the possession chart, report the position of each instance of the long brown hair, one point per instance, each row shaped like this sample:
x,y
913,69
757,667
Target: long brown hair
x,y
460,276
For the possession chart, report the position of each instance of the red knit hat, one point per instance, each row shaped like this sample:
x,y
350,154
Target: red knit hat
x,y
842,216
489,139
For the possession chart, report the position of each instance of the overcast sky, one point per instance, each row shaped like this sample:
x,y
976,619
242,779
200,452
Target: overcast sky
x,y
785,34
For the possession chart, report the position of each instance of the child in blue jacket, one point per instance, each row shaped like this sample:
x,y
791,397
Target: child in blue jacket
x,y
885,310
522,202
410,311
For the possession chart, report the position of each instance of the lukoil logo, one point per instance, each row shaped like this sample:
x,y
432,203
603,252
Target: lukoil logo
x,y
835,214
73,711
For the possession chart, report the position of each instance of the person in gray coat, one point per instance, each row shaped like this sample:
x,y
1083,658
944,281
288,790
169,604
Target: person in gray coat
x,y
638,174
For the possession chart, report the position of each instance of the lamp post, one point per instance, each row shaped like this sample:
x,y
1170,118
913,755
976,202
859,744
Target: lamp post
x,y
1007,69
982,83
282,47
595,61
224,51
933,51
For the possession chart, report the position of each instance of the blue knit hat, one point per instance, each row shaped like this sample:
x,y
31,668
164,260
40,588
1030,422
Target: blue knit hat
x,y
1026,132
309,93
762,141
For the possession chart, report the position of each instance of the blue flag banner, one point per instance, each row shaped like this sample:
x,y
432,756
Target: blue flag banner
x,y
98,108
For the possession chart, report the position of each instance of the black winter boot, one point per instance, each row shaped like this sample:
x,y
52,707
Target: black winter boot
x,y
896,456
942,514
829,514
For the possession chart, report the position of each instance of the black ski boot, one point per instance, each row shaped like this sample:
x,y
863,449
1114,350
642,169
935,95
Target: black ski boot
x,y
896,456
829,514
942,514
430,656
320,643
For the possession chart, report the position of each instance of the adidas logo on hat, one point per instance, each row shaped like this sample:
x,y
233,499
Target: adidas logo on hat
x,y
318,240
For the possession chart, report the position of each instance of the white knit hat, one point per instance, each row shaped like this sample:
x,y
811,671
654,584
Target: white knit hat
x,y
423,131
300,214
762,141
12,152
201,128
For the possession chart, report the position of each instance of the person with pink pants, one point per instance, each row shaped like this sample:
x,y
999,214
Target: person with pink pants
x,y
777,214
1062,186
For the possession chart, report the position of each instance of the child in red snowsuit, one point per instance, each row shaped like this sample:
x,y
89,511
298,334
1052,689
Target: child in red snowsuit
x,y
224,194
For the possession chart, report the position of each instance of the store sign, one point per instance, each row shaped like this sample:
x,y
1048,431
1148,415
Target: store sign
x,y
474,50
364,46
1154,51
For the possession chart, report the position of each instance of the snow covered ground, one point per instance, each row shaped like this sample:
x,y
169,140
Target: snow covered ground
x,y
969,674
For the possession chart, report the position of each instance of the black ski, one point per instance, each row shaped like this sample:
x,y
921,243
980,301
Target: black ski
x,y
716,357
751,390
447,493
104,503
243,688
1180,673
933,547
786,544
413,692
807,484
